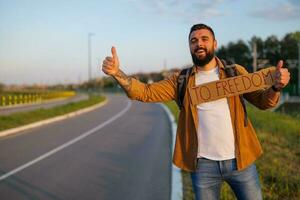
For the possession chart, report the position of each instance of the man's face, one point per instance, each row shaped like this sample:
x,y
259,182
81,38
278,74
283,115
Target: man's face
x,y
202,46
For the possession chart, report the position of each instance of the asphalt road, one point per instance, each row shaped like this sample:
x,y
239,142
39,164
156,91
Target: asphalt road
x,y
121,151
47,104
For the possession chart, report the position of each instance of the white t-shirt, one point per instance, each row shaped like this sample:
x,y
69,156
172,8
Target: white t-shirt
x,y
215,132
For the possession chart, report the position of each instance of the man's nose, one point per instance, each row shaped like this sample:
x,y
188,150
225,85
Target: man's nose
x,y
200,43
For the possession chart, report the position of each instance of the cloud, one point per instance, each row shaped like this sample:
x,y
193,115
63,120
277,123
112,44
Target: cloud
x,y
191,11
289,10
294,2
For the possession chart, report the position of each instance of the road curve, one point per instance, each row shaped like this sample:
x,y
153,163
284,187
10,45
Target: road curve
x,y
127,158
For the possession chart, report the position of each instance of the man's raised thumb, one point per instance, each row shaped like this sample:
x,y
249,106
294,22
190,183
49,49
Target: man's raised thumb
x,y
279,64
114,52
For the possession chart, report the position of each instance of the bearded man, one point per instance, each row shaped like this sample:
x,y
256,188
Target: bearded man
x,y
212,142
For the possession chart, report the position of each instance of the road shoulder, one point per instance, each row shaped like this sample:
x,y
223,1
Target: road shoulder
x,y
51,120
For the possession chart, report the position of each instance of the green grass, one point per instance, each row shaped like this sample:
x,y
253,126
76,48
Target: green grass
x,y
292,109
19,119
279,166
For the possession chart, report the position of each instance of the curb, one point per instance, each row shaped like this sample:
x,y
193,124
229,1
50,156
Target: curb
x,y
176,193
51,120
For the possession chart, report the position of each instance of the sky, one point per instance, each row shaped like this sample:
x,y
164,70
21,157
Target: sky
x,y
46,41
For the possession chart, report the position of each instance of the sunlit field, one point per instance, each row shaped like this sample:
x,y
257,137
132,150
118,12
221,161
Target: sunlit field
x,y
279,165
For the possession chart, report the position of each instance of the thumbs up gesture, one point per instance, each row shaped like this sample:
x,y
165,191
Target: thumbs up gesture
x,y
282,76
111,64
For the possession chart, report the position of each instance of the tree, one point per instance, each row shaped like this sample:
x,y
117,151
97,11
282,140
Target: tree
x,y
289,48
296,35
2,87
143,77
156,76
108,82
272,49
240,53
237,52
222,52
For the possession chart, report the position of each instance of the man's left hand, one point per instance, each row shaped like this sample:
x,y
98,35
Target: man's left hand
x,y
282,76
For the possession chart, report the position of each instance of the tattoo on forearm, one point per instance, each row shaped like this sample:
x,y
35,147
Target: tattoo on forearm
x,y
123,80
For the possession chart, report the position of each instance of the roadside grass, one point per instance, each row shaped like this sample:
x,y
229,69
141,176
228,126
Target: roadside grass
x,y
278,167
19,119
289,108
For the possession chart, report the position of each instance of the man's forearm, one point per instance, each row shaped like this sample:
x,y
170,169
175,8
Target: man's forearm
x,y
123,80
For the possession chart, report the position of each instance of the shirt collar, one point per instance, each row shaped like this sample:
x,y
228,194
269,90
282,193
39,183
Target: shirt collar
x,y
219,64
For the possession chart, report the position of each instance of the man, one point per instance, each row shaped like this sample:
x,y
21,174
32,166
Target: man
x,y
212,141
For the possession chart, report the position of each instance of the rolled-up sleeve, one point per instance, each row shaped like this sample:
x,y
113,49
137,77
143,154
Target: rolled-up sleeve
x,y
161,91
262,99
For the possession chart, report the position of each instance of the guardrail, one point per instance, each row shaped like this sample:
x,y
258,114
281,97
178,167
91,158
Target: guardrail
x,y
19,98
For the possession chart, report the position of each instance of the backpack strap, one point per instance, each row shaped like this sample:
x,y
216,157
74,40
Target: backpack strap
x,y
181,85
231,71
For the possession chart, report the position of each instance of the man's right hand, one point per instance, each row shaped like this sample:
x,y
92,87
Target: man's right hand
x,y
110,65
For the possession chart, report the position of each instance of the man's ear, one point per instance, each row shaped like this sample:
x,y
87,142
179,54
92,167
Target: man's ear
x,y
215,44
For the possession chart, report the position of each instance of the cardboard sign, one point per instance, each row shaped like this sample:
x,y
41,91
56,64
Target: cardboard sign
x,y
232,86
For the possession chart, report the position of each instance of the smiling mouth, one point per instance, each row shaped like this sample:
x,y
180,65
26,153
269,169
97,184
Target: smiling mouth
x,y
200,51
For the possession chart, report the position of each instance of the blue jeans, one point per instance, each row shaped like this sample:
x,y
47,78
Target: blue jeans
x,y
208,178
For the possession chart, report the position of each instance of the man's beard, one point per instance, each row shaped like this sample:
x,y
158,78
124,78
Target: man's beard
x,y
203,61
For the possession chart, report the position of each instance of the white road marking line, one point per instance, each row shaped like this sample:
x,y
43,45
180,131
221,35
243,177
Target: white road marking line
x,y
42,157
177,188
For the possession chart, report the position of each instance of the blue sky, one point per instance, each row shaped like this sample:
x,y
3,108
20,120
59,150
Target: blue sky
x,y
45,41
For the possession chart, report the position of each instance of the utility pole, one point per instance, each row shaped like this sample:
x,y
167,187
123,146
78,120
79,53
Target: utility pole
x,y
299,68
165,64
90,56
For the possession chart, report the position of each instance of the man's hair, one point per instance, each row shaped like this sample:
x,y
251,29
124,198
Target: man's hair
x,y
201,26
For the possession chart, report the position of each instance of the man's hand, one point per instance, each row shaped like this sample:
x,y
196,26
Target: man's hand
x,y
282,76
110,65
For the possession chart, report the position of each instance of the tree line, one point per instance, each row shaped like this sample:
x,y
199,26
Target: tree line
x,y
269,52
271,49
